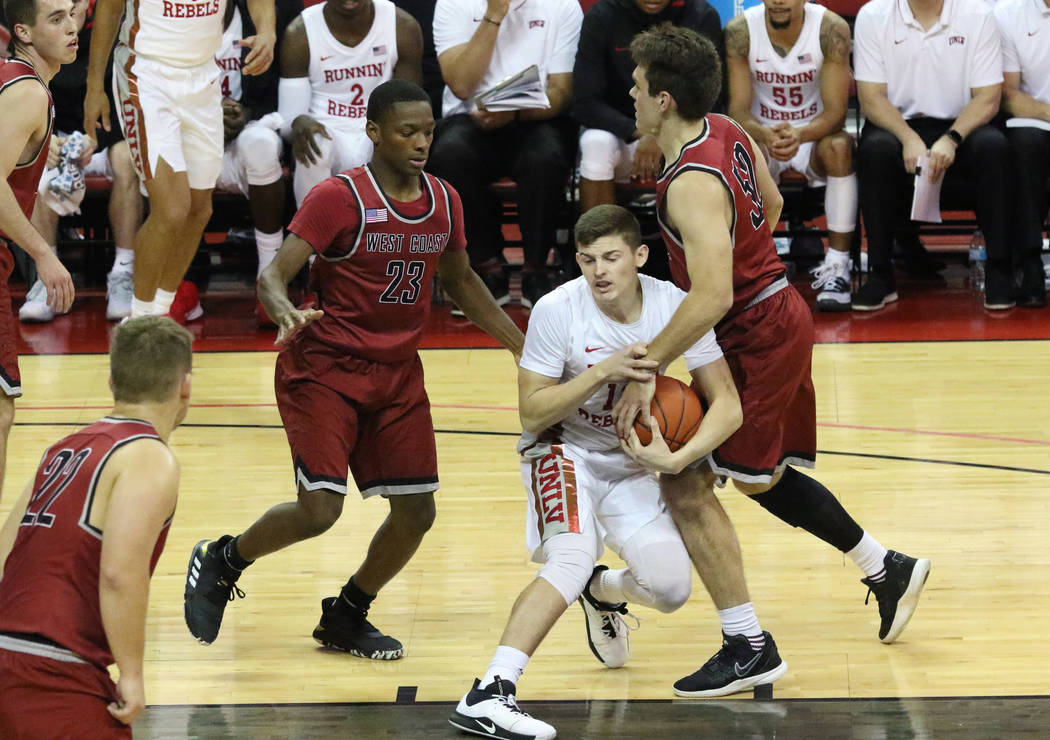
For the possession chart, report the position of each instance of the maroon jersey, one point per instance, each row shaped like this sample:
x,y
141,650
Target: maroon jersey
x,y
376,260
50,582
723,150
25,178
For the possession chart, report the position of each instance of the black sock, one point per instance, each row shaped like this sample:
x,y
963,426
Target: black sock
x,y
803,502
354,598
232,557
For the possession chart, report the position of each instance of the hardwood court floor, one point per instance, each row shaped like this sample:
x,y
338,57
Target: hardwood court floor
x,y
938,449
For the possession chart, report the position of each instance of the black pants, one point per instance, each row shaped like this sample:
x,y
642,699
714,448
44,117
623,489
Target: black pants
x,y
982,163
1031,167
537,156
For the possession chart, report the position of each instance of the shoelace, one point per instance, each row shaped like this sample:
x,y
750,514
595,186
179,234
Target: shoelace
x,y
825,274
234,591
613,620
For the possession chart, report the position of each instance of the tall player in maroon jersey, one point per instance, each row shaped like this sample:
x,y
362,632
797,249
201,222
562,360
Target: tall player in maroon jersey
x,y
349,380
45,38
81,544
716,203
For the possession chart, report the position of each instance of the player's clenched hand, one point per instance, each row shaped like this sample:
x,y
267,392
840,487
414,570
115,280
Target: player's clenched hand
x,y
786,142
54,150
96,106
633,403
942,155
629,363
293,321
261,55
304,142
914,148
56,279
87,151
647,158
131,700
656,455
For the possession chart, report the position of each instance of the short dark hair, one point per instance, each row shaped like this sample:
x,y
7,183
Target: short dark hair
x,y
19,11
604,220
148,357
385,96
682,63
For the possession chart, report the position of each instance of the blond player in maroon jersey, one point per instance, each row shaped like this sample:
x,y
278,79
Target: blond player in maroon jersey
x,y
81,543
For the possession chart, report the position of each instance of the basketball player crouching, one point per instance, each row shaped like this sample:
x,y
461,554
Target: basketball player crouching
x,y
584,341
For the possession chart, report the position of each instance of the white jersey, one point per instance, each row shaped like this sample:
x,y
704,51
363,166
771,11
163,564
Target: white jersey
x,y
785,88
229,58
342,77
180,34
568,333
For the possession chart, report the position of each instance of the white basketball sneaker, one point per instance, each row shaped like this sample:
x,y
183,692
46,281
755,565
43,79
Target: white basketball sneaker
x,y
607,632
492,711
832,279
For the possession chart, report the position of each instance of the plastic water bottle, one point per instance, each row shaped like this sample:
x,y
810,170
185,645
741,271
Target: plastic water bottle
x,y
978,256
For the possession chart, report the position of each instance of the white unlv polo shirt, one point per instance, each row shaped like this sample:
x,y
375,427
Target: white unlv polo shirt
x,y
1025,27
541,32
928,73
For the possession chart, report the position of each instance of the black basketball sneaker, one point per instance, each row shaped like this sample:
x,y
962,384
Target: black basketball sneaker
x,y
734,668
346,629
898,594
210,584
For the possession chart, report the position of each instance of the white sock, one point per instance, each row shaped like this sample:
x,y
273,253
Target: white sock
x,y
140,308
834,256
124,260
869,556
609,586
267,246
162,301
742,620
508,663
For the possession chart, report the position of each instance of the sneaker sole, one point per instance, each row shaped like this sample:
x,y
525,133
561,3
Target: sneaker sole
x,y
376,654
830,306
471,725
191,585
590,642
740,685
117,315
891,298
999,306
909,600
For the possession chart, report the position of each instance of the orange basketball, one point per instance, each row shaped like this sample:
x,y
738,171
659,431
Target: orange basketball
x,y
677,411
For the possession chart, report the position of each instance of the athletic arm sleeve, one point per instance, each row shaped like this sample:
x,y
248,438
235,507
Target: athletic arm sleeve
x,y
293,100
547,338
328,219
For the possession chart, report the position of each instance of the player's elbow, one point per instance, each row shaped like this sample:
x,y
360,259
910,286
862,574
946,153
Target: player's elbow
x,y
531,425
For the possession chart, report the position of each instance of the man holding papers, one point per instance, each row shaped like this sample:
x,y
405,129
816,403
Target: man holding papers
x,y
502,118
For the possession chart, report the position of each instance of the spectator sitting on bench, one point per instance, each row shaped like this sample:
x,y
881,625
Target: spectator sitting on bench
x,y
611,148
1026,97
789,81
108,156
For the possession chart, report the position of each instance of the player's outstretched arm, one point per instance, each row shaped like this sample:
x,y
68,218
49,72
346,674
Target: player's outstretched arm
x,y
699,206
469,293
273,288
10,528
29,98
142,498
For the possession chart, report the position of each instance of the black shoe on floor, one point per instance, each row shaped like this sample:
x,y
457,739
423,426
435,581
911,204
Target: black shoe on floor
x,y
898,594
876,292
999,290
1032,293
534,285
734,668
210,585
341,628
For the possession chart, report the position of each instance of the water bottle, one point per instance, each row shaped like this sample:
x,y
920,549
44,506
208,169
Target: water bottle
x,y
978,256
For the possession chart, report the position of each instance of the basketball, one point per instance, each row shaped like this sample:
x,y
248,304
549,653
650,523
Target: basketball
x,y
677,411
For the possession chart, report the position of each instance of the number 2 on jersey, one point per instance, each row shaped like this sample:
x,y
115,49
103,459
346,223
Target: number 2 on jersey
x,y
399,272
64,465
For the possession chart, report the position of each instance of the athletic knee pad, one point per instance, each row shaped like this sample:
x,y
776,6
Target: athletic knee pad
x,y
259,153
803,502
840,203
599,154
568,567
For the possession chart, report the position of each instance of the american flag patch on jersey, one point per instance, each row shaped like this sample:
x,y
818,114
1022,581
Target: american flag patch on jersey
x,y
379,50
805,59
375,215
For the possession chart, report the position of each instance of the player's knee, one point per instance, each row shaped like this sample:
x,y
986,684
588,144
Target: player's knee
x,y
567,568
414,514
837,152
670,588
598,154
173,210
686,490
320,510
122,165
259,149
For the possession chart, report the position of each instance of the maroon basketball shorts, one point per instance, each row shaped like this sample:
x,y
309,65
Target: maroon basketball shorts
x,y
769,349
10,379
48,698
341,411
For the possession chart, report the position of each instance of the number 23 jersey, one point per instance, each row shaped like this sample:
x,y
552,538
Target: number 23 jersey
x,y
376,261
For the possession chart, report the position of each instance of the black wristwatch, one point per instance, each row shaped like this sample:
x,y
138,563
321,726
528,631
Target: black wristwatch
x,y
954,136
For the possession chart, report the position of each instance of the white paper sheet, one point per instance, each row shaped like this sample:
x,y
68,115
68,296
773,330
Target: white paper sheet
x,y
926,202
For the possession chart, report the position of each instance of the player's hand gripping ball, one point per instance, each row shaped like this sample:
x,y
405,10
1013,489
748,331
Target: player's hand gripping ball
x,y
677,412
